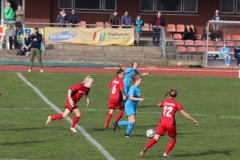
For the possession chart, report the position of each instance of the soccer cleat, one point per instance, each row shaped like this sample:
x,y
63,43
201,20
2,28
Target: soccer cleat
x,y
29,70
127,136
48,120
114,126
105,126
41,70
73,129
166,155
141,154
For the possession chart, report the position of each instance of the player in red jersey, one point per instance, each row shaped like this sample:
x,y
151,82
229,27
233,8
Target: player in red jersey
x,y
117,95
167,123
75,93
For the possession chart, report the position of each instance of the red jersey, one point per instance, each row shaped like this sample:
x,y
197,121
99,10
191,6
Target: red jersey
x,y
78,91
170,107
115,90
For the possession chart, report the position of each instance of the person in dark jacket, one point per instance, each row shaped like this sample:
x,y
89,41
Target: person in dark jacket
x,y
114,20
188,33
62,19
126,20
157,23
73,19
36,38
207,33
237,53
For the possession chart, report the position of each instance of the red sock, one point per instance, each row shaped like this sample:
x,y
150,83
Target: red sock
x,y
170,146
75,120
151,143
119,116
56,117
109,116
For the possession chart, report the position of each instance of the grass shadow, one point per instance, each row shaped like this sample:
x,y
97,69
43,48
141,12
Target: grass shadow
x,y
207,153
22,143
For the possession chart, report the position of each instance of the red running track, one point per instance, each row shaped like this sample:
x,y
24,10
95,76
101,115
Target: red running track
x,y
161,70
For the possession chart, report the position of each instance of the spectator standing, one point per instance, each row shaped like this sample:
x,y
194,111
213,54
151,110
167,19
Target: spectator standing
x,y
73,19
237,53
138,28
26,47
158,22
62,19
126,20
36,38
216,27
19,13
114,20
188,33
9,35
8,12
207,32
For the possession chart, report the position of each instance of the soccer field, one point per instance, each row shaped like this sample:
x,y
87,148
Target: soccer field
x,y
213,102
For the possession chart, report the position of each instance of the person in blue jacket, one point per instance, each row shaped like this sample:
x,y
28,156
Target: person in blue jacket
x,y
131,105
73,19
126,20
138,28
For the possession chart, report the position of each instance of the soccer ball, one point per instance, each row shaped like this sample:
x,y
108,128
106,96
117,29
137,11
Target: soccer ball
x,y
179,64
150,133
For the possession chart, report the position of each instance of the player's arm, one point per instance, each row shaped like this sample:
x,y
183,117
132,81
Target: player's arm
x,y
88,101
189,117
144,74
70,97
135,99
125,95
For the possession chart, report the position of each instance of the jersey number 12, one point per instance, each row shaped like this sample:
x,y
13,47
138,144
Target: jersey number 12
x,y
167,111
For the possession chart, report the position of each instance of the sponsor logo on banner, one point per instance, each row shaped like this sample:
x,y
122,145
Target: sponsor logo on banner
x,y
62,36
102,36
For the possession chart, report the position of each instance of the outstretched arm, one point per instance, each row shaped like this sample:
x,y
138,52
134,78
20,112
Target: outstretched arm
x,y
189,117
144,74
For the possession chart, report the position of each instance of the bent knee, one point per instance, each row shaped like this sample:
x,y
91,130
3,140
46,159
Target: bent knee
x,y
64,115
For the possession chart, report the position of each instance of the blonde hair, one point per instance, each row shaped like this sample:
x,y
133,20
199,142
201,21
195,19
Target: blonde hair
x,y
135,77
87,79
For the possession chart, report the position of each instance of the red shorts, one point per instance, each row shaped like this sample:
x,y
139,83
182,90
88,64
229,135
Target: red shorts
x,y
115,105
68,106
163,128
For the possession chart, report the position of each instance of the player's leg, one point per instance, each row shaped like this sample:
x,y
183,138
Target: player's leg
x,y
172,134
109,116
120,106
149,144
75,119
58,116
131,123
160,131
229,60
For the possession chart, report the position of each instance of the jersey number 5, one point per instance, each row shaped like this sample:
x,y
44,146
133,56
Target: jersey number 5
x,y
114,89
167,111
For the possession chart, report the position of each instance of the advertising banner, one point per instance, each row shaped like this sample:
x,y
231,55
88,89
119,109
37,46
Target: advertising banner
x,y
24,31
91,36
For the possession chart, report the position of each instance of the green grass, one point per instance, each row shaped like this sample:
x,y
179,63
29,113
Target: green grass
x,y
23,134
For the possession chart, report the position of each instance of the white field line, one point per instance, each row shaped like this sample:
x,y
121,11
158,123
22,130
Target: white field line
x,y
26,109
85,134
12,159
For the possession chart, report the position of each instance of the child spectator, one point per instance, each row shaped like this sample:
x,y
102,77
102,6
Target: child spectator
x,y
26,47
138,28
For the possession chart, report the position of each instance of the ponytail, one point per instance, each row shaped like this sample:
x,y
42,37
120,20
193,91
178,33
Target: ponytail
x,y
172,93
135,77
87,79
120,71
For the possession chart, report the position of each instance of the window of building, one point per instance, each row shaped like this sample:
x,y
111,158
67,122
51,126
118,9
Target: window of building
x,y
190,5
109,4
169,5
147,5
68,4
238,6
227,6
88,4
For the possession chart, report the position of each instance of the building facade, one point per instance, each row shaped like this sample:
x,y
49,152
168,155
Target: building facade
x,y
196,12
